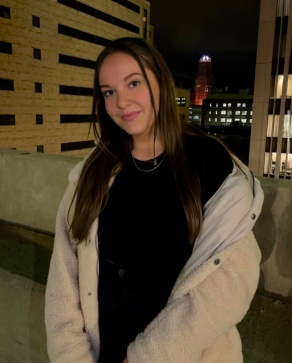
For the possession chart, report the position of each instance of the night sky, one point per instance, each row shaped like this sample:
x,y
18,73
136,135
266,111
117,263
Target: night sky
x,y
226,30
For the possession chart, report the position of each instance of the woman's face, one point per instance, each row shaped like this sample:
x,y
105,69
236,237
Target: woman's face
x,y
126,94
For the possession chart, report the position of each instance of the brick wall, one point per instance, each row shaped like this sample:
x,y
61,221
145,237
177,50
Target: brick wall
x,y
24,70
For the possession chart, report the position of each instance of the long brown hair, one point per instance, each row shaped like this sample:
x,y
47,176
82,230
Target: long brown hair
x,y
114,144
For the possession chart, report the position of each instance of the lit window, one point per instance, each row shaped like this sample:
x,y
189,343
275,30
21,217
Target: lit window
x,y
223,112
237,112
223,119
216,112
210,104
229,104
224,104
229,119
216,104
239,105
243,120
244,113
215,119
251,112
244,105
237,119
210,112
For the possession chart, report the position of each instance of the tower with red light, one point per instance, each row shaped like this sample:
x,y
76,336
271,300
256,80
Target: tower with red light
x,y
204,80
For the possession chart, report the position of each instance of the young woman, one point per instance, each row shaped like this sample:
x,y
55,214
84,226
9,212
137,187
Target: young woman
x,y
154,257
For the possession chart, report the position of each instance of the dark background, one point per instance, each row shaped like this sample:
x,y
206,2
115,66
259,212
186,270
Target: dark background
x,y
226,30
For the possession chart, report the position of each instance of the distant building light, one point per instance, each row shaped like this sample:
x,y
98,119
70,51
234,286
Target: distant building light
x,y
205,58
181,101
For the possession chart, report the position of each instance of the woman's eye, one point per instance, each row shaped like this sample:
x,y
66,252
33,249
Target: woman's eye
x,y
134,84
108,93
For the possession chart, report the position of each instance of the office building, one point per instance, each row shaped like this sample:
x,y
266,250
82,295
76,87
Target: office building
x,y
271,132
203,82
183,102
47,55
223,111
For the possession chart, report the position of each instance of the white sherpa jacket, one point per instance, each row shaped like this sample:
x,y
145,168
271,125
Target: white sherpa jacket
x,y
211,295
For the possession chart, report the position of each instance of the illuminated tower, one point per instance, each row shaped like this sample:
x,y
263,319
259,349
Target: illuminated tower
x,y
204,80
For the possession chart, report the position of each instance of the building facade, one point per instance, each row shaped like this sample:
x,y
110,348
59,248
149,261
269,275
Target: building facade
x,y
183,103
47,55
225,110
204,81
270,150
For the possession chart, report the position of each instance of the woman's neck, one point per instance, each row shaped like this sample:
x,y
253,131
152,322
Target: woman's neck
x,y
146,150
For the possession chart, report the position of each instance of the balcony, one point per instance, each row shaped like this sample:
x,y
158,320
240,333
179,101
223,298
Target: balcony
x,y
31,186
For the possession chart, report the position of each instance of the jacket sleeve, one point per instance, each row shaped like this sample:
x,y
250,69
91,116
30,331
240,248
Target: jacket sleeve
x,y
67,341
203,307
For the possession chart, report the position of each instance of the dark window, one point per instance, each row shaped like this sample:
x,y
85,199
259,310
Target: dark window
x,y
6,84
36,21
277,67
145,20
77,91
70,119
78,34
99,15
4,12
284,24
39,119
40,148
5,47
274,106
7,120
128,5
37,53
74,61
272,146
77,145
38,87
290,63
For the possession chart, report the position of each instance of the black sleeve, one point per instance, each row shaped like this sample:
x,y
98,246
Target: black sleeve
x,y
210,160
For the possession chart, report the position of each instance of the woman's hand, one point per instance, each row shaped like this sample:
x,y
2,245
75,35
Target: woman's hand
x,y
125,360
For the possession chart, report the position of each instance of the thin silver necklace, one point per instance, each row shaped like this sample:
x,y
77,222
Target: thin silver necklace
x,y
154,162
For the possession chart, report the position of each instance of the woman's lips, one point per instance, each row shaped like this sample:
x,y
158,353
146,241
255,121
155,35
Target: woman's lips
x,y
130,116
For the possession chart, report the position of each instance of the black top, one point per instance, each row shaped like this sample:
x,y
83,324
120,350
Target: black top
x,y
143,241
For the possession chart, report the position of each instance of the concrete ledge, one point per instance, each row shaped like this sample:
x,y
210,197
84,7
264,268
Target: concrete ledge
x,y
32,185
274,235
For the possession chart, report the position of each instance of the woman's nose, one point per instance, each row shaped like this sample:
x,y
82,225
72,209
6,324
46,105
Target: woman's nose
x,y
123,99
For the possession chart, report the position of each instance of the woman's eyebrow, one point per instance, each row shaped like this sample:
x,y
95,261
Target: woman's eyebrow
x,y
125,79
133,74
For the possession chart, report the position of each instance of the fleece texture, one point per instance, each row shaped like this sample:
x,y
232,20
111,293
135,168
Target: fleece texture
x,y
210,297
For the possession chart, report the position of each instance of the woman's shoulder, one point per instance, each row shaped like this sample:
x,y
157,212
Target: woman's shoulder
x,y
210,160
204,143
206,151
